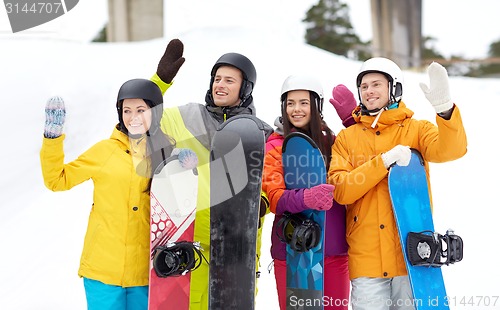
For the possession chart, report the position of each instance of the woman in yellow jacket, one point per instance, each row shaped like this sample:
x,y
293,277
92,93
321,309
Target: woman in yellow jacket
x,y
361,155
115,258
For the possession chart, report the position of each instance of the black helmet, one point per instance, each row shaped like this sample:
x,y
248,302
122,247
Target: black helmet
x,y
246,67
141,89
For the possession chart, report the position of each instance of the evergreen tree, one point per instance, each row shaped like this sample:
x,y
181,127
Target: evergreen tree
x,y
429,51
493,68
329,28
102,35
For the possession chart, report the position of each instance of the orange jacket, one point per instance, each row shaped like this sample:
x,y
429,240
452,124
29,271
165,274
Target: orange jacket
x,y
360,180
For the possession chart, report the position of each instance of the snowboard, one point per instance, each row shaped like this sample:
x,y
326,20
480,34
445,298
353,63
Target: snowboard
x,y
411,204
304,167
236,163
173,208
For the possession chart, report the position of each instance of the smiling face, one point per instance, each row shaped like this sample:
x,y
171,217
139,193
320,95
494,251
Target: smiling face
x,y
136,116
298,108
374,90
226,86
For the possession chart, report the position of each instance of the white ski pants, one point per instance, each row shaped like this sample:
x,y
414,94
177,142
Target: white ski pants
x,y
382,294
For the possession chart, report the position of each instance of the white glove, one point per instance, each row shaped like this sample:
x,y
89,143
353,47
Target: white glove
x,y
400,154
438,91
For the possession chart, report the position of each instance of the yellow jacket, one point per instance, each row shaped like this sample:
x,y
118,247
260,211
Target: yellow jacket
x,y
116,246
360,180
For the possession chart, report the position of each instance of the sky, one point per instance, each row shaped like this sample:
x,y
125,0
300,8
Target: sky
x,y
41,232
459,28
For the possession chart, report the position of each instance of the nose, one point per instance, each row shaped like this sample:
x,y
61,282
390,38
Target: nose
x,y
219,84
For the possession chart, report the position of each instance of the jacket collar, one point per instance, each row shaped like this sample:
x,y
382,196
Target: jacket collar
x,y
386,119
127,143
222,114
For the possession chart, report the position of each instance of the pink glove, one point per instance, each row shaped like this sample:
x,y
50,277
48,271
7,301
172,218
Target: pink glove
x,y
344,103
319,197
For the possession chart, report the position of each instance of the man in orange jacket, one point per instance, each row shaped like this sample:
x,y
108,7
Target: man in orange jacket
x,y
361,155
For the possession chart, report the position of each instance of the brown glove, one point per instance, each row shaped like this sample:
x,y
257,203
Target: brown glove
x,y
264,203
171,61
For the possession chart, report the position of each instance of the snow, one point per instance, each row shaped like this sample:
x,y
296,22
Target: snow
x,y
41,232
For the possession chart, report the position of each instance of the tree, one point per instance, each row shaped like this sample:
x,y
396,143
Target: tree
x,y
492,68
102,35
429,50
329,28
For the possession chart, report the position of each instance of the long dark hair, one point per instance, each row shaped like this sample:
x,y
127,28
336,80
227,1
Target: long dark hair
x,y
159,146
318,131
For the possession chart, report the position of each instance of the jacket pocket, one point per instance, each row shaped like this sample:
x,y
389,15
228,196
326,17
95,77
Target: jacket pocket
x,y
352,219
90,242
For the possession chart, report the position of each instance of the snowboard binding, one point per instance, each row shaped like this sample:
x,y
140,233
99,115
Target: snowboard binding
x,y
177,258
431,249
300,232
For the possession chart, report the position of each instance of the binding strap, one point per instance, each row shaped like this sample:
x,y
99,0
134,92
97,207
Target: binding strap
x,y
300,232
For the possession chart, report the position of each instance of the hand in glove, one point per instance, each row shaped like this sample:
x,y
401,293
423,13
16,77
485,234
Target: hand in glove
x,y
438,91
319,197
187,158
171,61
344,103
55,115
400,154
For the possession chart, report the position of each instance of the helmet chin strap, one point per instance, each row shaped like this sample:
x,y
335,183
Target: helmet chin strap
x,y
377,117
377,112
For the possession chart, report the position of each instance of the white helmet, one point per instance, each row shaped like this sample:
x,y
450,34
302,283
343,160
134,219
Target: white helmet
x,y
302,82
389,69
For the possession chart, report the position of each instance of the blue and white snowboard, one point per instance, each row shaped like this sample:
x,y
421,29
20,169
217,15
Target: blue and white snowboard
x,y
409,192
304,167
236,162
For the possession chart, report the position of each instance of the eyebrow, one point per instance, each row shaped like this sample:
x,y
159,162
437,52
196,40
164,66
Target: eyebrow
x,y
298,100
226,77
140,106
378,80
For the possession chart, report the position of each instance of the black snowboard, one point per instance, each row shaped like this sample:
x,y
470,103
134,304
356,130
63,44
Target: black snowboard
x,y
236,163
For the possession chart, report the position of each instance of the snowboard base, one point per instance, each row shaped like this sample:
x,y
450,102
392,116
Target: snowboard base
x,y
236,163
304,167
174,192
411,204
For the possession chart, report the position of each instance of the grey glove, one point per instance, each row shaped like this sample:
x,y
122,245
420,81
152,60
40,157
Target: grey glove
x,y
187,158
55,115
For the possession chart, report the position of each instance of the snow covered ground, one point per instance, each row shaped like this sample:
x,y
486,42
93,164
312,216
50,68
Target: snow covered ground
x,y
41,232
